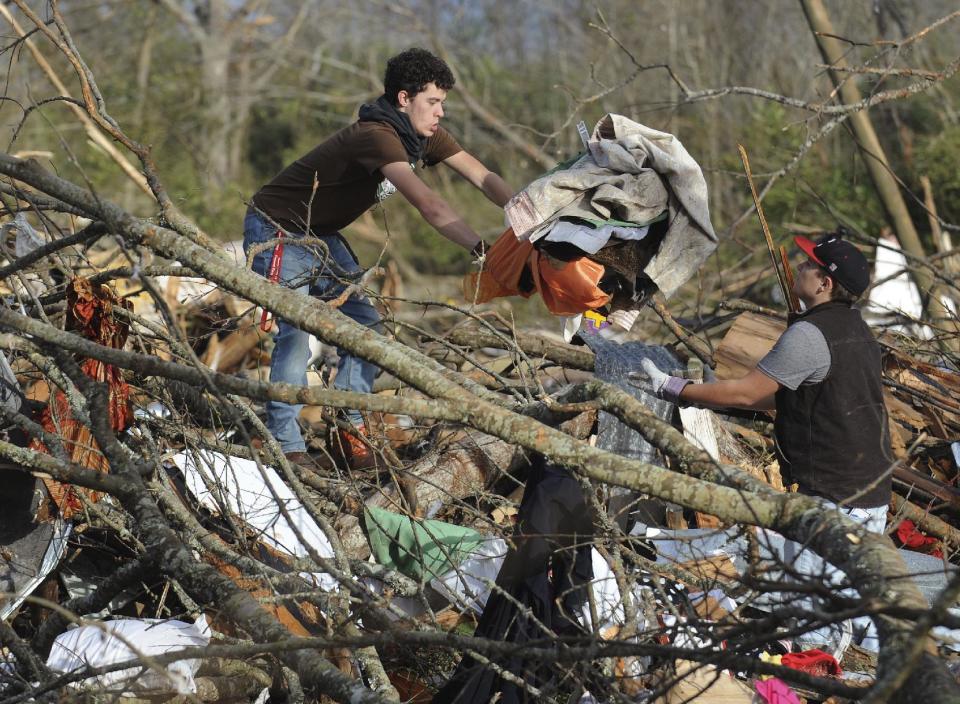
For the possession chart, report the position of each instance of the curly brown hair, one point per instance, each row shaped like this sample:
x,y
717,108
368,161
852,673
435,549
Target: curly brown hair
x,y
412,70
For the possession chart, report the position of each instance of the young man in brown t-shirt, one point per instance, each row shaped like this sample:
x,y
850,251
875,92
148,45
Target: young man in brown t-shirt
x,y
330,187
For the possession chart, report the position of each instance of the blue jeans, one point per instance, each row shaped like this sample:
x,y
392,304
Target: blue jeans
x,y
310,271
834,638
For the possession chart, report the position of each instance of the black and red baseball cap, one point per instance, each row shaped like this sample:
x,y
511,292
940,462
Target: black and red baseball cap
x,y
840,259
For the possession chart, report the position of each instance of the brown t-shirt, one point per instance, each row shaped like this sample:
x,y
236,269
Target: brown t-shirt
x,y
347,171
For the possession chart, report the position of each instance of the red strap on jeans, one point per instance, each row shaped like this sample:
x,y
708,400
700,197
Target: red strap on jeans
x,y
273,275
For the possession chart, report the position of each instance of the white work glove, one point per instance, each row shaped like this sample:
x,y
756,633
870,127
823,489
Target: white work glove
x,y
623,318
664,386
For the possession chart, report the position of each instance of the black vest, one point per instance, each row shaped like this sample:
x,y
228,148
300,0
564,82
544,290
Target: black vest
x,y
832,437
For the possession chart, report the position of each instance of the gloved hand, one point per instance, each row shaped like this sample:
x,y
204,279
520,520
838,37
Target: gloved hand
x,y
480,250
664,386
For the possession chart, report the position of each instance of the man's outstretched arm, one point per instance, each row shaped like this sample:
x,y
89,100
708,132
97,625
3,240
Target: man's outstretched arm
x,y
754,391
434,209
490,183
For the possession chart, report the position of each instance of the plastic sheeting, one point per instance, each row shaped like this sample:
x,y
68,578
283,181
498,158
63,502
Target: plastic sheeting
x,y
896,296
567,288
113,642
220,482
26,571
930,574
468,586
420,549
614,364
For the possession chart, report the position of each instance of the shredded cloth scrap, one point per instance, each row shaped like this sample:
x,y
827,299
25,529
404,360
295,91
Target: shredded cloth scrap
x,y
90,314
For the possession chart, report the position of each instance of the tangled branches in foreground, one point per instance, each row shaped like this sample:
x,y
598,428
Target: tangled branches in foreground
x,y
269,559
300,633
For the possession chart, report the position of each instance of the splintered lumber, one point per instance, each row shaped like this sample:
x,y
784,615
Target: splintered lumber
x,y
745,344
533,345
928,485
713,569
788,273
699,428
225,355
463,471
705,683
934,390
925,520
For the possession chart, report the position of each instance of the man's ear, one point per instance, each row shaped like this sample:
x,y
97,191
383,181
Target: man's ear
x,y
403,99
827,283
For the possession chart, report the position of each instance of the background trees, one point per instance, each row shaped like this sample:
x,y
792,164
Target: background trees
x,y
210,98
226,93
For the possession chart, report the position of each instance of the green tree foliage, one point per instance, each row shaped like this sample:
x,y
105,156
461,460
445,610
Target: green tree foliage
x,y
536,69
938,157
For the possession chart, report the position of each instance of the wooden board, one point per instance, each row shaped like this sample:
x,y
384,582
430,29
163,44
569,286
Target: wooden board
x,y
929,485
703,683
940,386
745,344
698,428
712,568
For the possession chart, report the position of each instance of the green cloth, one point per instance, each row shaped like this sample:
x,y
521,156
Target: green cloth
x,y
420,549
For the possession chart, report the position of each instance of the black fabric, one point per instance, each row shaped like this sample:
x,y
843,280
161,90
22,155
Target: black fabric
x,y
832,437
382,110
547,573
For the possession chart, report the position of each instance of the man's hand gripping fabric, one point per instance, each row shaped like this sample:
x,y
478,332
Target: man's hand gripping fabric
x,y
664,386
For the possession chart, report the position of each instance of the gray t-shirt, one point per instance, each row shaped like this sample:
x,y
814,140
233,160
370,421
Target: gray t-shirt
x,y
801,356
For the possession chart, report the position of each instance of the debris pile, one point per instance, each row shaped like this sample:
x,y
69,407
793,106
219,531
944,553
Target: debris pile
x,y
158,544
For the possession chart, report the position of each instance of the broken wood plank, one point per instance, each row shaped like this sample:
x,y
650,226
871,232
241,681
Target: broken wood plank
x,y
705,683
928,485
225,355
456,474
533,345
745,344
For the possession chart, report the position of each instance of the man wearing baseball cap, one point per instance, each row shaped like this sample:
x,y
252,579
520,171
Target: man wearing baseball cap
x,y
823,378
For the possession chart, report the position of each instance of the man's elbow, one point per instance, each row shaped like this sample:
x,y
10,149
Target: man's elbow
x,y
753,401
434,210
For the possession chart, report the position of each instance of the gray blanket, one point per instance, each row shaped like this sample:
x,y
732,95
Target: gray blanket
x,y
633,174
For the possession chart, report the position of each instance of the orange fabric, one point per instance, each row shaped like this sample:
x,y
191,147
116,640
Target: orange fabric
x,y
567,288
90,314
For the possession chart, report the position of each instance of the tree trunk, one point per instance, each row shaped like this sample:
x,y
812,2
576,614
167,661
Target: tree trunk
x,y
215,51
884,181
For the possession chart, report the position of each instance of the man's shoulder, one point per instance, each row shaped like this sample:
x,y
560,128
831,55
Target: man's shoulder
x,y
368,144
800,355
367,133
440,146
803,332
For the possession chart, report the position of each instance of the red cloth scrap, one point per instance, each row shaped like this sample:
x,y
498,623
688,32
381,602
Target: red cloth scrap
x,y
914,539
813,662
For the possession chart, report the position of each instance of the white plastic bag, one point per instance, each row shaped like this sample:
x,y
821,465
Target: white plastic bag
x,y
118,641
